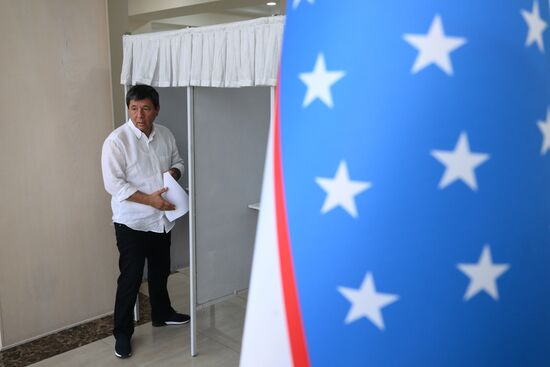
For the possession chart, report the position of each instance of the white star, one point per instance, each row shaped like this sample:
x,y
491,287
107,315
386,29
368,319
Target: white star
x,y
319,82
296,3
544,127
460,163
483,275
366,302
536,26
341,190
434,47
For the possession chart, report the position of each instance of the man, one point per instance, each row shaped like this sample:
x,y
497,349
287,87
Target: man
x,y
133,159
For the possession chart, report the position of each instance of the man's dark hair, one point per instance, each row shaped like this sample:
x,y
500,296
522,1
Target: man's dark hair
x,y
140,92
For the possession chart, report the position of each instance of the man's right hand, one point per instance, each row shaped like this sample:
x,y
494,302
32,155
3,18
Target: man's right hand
x,y
157,201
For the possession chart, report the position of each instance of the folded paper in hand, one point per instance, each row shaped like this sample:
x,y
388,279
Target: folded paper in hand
x,y
177,196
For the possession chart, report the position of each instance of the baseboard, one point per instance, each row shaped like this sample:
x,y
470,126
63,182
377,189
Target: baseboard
x,y
6,347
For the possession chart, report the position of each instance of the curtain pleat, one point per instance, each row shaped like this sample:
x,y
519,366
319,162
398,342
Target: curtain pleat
x,y
229,55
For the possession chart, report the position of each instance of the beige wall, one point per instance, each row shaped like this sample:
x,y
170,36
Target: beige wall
x,y
118,26
57,252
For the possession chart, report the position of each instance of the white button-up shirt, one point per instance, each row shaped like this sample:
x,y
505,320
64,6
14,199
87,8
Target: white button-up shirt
x,y
131,161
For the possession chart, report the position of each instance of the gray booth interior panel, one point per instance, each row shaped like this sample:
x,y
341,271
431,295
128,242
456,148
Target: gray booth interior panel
x,y
173,115
231,127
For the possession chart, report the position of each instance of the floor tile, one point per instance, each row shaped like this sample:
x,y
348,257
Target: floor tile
x,y
96,354
219,335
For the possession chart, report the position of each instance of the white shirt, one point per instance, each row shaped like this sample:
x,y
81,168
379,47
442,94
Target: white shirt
x,y
131,161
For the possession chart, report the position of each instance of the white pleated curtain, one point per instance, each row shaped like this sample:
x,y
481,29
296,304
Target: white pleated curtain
x,y
230,55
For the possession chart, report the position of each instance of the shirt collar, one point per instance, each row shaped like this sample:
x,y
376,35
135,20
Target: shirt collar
x,y
137,132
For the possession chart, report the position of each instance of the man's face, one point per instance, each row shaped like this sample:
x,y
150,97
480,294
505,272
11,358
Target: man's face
x,y
142,113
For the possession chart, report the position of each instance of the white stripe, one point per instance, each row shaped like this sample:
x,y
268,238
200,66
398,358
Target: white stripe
x,y
265,340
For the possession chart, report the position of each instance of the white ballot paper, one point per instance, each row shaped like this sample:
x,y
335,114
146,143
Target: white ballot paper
x,y
177,196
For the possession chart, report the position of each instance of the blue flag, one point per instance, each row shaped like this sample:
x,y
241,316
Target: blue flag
x,y
405,213
414,141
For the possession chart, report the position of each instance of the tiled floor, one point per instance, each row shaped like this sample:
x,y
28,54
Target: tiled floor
x,y
220,330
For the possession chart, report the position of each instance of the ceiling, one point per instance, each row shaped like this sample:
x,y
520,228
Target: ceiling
x,y
160,15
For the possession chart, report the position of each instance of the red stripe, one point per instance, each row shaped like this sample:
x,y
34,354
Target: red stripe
x,y
298,346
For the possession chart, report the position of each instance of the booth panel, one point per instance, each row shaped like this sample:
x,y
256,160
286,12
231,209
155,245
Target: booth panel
x,y
173,115
230,136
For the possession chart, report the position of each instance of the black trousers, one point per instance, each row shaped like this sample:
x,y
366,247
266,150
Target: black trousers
x,y
134,247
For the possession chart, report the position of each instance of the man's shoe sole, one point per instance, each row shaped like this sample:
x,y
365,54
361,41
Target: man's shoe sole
x,y
160,324
121,356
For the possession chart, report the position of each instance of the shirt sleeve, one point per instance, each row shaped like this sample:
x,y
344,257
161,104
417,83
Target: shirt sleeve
x,y
113,167
176,160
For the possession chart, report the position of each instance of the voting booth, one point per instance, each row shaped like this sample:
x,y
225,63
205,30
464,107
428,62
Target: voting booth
x,y
216,87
